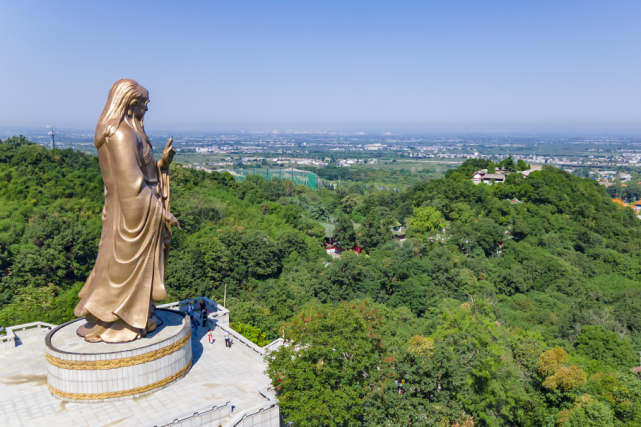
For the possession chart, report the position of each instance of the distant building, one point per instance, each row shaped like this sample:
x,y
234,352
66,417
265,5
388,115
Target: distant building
x,y
478,176
491,178
335,251
481,176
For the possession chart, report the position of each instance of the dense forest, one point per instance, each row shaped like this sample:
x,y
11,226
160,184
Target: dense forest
x,y
516,304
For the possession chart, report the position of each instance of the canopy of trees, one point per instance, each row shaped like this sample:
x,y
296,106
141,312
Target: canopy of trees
x,y
512,304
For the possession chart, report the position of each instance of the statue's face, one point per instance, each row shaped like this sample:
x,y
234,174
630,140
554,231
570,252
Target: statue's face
x,y
140,108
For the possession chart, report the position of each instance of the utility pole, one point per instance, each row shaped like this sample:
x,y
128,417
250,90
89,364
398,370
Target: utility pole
x,y
225,297
52,131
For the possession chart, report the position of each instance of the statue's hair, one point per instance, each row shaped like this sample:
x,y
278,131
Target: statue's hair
x,y
122,96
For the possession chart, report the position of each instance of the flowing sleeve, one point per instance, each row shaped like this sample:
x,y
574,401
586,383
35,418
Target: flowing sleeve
x,y
164,187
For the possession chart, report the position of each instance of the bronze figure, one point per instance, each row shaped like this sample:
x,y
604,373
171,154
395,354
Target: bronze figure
x,y
136,224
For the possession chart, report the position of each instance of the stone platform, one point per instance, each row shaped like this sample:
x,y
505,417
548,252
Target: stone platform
x,y
224,387
82,371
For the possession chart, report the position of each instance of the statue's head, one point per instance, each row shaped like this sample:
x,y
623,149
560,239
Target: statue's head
x,y
127,101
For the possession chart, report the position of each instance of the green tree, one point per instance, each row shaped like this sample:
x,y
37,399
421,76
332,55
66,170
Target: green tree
x,y
373,233
487,235
462,212
252,254
347,278
508,164
350,202
587,412
322,376
291,214
426,219
464,370
250,332
344,232
596,342
582,172
418,388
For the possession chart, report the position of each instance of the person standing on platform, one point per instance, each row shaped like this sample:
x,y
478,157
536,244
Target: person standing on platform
x,y
227,339
210,337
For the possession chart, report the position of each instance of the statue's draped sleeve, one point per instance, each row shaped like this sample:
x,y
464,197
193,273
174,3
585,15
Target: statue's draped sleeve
x,y
132,254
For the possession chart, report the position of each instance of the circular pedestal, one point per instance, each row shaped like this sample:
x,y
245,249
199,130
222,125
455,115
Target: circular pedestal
x,y
82,371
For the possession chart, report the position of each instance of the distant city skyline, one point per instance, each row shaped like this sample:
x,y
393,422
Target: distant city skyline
x,y
372,66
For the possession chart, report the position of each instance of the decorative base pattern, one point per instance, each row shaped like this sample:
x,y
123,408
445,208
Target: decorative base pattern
x,y
83,365
124,393
82,371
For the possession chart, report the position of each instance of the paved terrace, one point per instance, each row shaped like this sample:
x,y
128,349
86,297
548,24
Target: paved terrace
x,y
218,375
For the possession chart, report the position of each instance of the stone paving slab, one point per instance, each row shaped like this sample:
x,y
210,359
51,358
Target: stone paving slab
x,y
217,373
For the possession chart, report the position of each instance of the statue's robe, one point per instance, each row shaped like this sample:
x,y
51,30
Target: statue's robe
x,y
133,249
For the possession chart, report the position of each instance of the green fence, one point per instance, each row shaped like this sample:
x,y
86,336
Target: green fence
x,y
297,176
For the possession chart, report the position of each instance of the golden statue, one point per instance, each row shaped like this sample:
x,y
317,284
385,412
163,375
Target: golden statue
x,y
117,299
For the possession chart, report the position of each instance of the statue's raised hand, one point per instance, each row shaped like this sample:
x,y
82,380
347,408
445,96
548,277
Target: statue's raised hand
x,y
167,155
171,220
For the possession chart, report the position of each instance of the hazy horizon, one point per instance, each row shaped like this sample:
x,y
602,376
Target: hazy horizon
x,y
363,66
407,129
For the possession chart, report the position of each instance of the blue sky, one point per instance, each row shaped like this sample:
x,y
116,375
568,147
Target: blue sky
x,y
224,65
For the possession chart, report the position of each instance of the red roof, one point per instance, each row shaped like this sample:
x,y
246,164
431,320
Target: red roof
x,y
355,248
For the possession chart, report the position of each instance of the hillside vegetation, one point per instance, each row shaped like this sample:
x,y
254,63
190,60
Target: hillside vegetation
x,y
515,304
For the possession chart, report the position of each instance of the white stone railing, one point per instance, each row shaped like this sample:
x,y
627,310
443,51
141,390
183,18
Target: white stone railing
x,y
212,416
220,318
251,349
218,315
274,345
266,414
182,305
15,333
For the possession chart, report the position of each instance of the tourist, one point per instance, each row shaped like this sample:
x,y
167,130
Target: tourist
x,y
204,316
227,339
210,337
